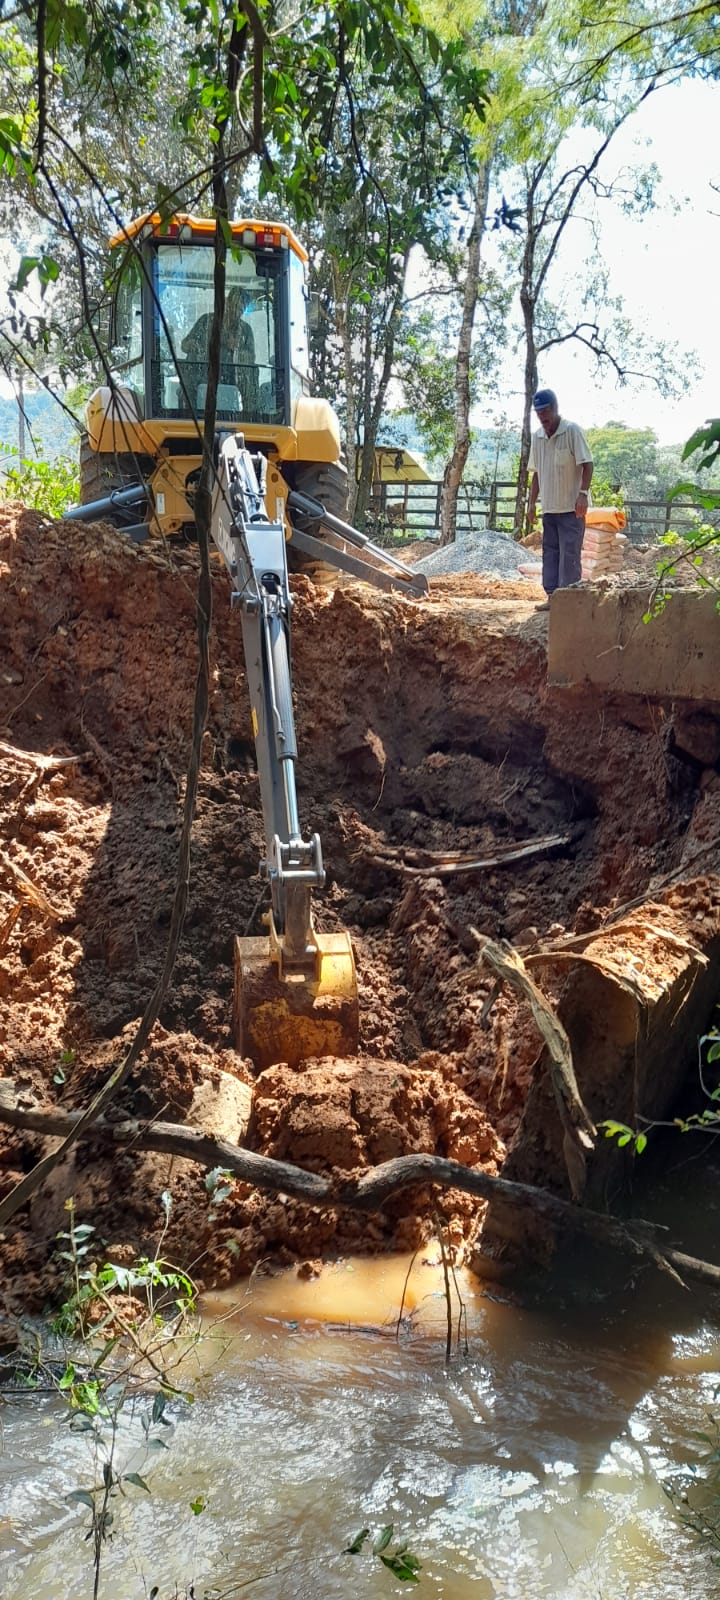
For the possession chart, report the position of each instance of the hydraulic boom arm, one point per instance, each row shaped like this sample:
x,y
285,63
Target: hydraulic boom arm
x,y
297,996
253,549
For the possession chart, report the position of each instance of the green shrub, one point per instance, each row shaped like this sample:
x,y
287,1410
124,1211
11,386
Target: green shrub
x,y
49,486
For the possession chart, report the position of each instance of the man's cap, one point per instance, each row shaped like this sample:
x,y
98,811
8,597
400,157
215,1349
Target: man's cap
x,y
543,398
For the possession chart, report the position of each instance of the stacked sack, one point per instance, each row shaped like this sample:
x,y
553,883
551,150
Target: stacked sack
x,y
603,550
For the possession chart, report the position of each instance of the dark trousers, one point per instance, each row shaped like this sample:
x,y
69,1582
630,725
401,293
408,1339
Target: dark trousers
x,y
561,549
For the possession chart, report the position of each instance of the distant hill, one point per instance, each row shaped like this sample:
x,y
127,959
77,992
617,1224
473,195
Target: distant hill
x,y
49,432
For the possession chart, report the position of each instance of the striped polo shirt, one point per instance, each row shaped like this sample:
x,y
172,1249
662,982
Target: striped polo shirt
x,y
558,462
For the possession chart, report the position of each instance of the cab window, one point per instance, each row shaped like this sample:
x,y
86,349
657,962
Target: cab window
x,y
299,353
250,387
127,350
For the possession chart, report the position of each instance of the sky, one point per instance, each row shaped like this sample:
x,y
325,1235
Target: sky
x,y
666,265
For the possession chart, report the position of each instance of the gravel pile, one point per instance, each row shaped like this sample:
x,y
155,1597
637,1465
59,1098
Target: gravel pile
x,y
496,555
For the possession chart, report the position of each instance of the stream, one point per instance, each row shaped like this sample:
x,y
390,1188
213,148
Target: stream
x,y
532,1468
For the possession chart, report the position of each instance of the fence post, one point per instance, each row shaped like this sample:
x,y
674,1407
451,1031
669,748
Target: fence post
x,y
492,505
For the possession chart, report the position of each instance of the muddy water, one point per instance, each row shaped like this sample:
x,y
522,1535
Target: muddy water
x,y
532,1469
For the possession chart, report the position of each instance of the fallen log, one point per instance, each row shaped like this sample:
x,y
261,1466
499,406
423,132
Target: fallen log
x,y
372,1189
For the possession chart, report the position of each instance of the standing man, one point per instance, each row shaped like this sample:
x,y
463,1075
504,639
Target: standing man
x,y
562,469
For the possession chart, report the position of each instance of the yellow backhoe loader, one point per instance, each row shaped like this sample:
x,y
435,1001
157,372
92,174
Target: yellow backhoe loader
x,y
279,481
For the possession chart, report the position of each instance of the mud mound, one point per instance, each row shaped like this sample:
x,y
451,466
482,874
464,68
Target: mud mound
x,y
422,727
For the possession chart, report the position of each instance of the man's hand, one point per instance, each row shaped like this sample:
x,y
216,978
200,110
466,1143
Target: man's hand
x,y
581,504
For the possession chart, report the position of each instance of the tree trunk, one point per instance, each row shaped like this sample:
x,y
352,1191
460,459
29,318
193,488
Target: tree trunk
x,y
527,303
22,442
373,409
366,450
342,324
455,467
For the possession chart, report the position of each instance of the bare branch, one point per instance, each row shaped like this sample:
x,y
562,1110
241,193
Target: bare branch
x,y
368,1193
41,80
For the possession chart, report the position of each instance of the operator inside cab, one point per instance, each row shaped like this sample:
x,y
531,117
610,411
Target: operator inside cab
x,y
238,366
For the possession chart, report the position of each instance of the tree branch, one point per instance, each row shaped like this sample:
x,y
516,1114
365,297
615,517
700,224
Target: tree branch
x,y
368,1193
656,26
578,1127
597,346
40,27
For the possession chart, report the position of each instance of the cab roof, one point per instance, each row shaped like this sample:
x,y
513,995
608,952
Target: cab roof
x,y
181,225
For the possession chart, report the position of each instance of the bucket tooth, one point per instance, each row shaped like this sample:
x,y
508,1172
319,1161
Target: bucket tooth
x,y
291,1016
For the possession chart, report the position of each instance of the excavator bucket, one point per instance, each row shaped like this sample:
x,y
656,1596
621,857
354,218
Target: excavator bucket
x,y
289,1016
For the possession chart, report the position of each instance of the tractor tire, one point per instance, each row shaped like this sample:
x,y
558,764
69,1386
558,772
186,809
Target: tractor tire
x,y
101,472
326,481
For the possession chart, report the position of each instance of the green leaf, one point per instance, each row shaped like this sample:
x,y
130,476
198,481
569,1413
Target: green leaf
x,y
384,1539
624,1139
218,1176
158,1406
400,1567
134,1477
357,1543
714,1051
82,1497
698,440
197,1506
107,1348
613,1128
28,265
640,1143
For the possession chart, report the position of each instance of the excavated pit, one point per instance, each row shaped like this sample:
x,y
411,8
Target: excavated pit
x,y
423,726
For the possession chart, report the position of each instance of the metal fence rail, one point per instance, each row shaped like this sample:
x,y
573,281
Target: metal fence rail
x,y
409,511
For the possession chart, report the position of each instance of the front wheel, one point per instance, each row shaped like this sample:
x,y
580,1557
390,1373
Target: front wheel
x,y
326,481
104,471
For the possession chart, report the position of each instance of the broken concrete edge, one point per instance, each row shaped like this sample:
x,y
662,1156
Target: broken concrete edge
x,y
635,1003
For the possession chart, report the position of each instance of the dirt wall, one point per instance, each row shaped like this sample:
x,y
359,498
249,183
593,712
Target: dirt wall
x,y
422,727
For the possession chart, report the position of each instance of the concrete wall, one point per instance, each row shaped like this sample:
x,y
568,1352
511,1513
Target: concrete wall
x,y
633,1012
600,638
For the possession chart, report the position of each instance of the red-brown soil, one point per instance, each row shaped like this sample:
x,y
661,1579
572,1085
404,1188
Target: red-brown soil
x,y
423,725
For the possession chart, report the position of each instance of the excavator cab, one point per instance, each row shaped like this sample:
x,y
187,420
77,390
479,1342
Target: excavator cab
x,y
162,327
147,423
